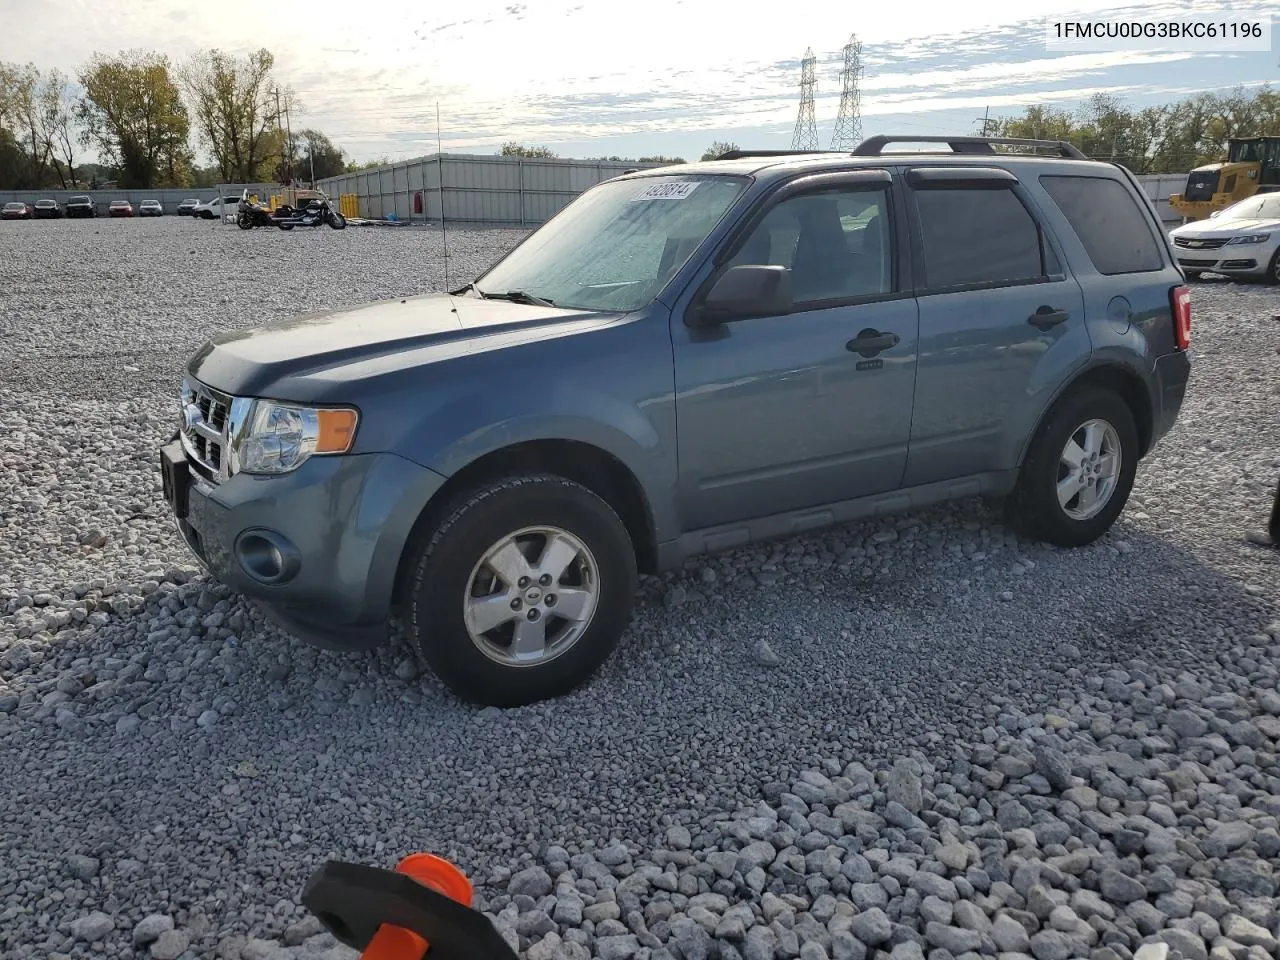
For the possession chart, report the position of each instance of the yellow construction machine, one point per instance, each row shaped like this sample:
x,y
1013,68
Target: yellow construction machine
x,y
1252,166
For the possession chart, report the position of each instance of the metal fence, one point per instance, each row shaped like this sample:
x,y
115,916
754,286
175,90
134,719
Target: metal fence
x,y
1160,187
500,190
169,198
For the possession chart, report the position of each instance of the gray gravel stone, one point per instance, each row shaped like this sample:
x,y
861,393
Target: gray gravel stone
x,y
988,743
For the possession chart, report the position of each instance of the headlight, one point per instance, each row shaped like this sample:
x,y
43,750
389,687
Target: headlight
x,y
1251,238
280,437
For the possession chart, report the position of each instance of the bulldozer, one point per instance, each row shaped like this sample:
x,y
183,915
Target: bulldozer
x,y
1252,166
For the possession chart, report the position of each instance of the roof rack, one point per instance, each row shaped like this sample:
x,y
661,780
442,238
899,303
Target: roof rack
x,y
874,146
742,154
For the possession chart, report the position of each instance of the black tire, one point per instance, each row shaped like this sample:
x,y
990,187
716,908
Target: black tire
x,y
337,221
1192,275
244,221
1273,269
1033,508
286,226
441,572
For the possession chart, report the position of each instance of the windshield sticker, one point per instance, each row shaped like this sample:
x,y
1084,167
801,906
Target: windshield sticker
x,y
667,191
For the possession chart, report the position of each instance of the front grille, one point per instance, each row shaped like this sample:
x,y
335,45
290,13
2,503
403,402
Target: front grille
x,y
1196,263
204,429
1199,244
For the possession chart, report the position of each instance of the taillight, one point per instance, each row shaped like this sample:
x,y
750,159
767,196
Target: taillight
x,y
1180,300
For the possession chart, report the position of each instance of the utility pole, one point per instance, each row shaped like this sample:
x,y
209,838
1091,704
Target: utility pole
x,y
284,159
986,122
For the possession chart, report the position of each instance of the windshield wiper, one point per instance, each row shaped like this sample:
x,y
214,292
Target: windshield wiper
x,y
461,290
518,296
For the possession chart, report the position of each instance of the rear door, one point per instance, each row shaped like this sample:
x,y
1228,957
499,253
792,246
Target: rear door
x,y
1001,323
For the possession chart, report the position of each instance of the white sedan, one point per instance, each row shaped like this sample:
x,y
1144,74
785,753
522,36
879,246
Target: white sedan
x,y
1242,240
224,206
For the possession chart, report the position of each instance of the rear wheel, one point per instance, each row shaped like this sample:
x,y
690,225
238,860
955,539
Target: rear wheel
x,y
522,591
1079,470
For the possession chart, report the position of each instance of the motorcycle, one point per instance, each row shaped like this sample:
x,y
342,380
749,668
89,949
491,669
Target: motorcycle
x,y
251,214
317,211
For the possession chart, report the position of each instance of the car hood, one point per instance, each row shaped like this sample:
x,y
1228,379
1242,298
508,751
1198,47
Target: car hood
x,y
1218,228
341,345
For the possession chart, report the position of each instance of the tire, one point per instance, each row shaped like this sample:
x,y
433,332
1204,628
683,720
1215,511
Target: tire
x,y
244,221
447,569
1273,269
286,226
1034,509
1192,275
337,221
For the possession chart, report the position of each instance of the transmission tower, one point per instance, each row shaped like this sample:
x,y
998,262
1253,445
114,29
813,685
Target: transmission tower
x,y
848,132
805,136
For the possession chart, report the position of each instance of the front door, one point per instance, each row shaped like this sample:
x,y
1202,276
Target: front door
x,y
1000,323
779,413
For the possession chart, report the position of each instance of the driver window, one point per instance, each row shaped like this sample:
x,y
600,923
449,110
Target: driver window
x,y
836,243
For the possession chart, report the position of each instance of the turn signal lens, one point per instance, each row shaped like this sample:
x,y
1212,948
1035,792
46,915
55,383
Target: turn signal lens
x,y
337,431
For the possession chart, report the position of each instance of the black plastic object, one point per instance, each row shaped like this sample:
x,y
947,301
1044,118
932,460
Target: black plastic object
x,y
353,901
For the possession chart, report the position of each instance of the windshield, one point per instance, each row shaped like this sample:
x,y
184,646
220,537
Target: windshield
x,y
79,200
615,246
1246,151
14,206
1266,207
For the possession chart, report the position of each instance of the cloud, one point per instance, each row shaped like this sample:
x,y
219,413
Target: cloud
x,y
570,71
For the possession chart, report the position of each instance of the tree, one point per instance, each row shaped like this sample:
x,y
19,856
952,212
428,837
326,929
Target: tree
x,y
236,107
514,149
718,149
57,106
25,124
354,167
665,160
314,150
133,112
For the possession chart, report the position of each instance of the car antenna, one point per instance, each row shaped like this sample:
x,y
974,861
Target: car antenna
x,y
444,234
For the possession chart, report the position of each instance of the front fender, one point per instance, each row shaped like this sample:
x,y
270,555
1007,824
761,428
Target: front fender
x,y
476,424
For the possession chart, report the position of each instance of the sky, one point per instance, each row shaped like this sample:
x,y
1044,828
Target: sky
x,y
603,77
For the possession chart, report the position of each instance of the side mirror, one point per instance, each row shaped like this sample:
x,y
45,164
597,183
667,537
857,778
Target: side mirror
x,y
749,290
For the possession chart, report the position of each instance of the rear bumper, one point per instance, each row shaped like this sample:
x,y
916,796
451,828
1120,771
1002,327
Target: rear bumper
x,y
1173,372
340,525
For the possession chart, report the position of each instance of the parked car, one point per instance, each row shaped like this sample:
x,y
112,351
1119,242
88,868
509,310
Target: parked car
x,y
218,206
82,206
120,208
47,209
187,207
806,340
15,210
1242,240
150,208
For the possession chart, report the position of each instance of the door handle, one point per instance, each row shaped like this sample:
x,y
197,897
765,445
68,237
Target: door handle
x,y
1047,317
869,342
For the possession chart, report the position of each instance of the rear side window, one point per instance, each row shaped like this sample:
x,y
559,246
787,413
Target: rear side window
x,y
978,237
1108,221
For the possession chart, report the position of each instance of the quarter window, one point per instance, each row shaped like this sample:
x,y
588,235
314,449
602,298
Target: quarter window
x,y
837,244
979,237
1112,227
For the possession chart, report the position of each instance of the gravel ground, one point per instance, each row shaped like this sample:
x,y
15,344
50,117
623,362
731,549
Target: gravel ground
x,y
915,737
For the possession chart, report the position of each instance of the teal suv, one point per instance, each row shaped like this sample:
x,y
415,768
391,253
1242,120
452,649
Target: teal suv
x,y
686,360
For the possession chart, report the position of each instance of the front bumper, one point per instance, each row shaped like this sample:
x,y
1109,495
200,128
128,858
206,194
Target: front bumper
x,y
339,526
1239,262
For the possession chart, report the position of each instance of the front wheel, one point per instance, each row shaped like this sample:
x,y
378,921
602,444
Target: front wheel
x,y
244,221
1078,471
522,591
1273,269
337,220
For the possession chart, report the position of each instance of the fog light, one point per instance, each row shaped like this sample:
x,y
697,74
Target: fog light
x,y
267,557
